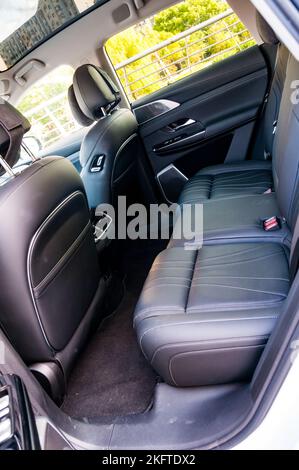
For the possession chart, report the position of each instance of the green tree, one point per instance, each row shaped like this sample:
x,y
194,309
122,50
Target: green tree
x,y
177,60
187,14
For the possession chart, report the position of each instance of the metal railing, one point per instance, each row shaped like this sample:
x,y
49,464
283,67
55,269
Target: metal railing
x,y
196,48
52,120
150,70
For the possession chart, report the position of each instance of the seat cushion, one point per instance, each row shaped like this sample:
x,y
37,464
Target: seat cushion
x,y
225,181
204,316
239,219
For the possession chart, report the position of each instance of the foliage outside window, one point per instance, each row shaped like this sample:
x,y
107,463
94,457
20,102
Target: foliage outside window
x,y
197,50
46,106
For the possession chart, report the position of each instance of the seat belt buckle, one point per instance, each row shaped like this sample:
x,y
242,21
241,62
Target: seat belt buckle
x,y
267,156
268,191
271,224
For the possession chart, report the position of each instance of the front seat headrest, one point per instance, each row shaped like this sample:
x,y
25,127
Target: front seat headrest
x,y
95,92
265,31
13,126
76,110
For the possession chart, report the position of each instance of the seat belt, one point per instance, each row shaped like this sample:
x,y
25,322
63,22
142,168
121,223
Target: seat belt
x,y
259,137
260,120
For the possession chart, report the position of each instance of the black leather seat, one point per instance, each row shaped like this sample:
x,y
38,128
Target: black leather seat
x,y
252,176
50,284
241,217
110,149
228,180
205,315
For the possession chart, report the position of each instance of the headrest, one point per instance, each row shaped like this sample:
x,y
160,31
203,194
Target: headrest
x,y
77,113
265,31
94,91
13,126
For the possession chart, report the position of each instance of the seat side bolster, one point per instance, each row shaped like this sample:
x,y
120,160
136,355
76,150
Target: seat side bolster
x,y
167,287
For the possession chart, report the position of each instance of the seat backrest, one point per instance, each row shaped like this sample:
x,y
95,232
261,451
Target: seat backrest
x,y
276,55
286,147
49,270
110,147
274,98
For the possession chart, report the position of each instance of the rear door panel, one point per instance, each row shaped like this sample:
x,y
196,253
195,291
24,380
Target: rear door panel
x,y
211,120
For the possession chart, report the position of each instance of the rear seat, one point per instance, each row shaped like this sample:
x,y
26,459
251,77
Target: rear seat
x,y
225,190
205,315
251,176
240,216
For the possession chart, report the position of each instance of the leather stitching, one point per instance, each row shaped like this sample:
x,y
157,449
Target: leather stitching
x,y
29,276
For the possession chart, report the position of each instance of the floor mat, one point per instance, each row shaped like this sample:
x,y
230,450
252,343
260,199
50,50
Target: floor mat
x,y
112,378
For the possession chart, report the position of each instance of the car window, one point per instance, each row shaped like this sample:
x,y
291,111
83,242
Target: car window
x,y
175,43
46,106
25,24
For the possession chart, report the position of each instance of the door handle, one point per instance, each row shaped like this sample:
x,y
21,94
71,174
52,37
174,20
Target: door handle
x,y
180,142
180,124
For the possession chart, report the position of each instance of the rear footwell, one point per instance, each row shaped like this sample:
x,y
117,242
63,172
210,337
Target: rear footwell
x,y
112,378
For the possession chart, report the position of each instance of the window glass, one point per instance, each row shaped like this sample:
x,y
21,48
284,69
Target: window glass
x,y
14,13
24,24
46,106
175,43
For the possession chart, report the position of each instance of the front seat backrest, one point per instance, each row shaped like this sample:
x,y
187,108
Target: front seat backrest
x,y
110,148
50,280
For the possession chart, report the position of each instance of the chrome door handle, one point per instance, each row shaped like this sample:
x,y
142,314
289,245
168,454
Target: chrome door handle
x,y
180,124
179,142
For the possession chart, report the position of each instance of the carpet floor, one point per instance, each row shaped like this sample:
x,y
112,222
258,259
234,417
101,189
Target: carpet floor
x,y
112,378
